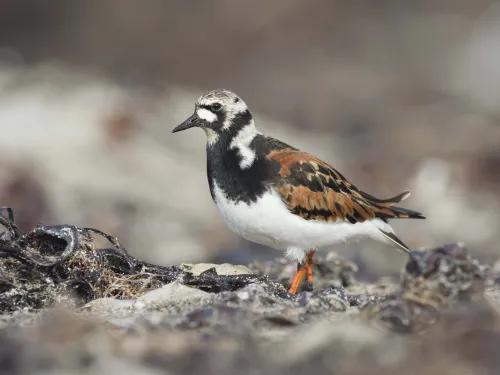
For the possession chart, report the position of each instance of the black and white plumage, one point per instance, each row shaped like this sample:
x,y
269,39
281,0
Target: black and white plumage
x,y
276,195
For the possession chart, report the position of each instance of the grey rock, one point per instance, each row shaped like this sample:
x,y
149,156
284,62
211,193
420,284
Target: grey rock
x,y
225,320
109,306
324,301
225,269
173,293
433,282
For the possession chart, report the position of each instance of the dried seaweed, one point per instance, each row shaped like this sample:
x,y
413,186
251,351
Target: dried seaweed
x,y
62,262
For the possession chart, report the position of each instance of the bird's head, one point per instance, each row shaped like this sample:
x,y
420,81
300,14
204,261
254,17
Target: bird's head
x,y
218,112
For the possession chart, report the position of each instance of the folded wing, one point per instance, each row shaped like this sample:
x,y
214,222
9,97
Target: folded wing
x,y
314,190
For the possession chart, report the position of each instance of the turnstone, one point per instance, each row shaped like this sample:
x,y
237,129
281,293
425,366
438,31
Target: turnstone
x,y
279,196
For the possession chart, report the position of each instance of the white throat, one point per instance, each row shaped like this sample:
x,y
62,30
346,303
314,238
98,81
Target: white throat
x,y
241,142
212,136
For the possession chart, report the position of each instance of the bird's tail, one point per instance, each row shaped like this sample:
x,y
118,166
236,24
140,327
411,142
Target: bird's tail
x,y
404,213
390,235
390,204
388,210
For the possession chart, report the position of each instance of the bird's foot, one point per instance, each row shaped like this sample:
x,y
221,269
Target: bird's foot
x,y
302,270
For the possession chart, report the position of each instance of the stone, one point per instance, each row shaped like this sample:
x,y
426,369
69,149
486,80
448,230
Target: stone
x,y
224,269
173,293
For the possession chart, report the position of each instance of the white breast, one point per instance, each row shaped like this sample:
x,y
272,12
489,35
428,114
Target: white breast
x,y
268,222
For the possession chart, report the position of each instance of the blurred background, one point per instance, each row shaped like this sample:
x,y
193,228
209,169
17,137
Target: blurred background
x,y
396,94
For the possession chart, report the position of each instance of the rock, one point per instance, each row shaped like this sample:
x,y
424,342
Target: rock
x,y
495,272
347,346
324,302
433,281
167,296
173,293
335,271
109,306
123,315
448,270
224,269
258,297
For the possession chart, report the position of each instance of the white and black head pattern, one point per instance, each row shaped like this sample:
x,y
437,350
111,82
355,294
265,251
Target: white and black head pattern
x,y
225,118
222,108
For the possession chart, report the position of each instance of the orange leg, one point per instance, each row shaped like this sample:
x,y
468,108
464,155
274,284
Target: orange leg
x,y
310,261
296,280
303,270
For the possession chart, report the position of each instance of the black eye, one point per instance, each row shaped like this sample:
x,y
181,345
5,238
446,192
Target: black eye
x,y
216,107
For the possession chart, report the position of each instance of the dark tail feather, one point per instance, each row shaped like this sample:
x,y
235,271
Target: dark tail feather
x,y
404,213
396,240
389,202
388,209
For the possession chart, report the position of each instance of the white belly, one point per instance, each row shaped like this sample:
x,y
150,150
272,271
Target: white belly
x,y
268,222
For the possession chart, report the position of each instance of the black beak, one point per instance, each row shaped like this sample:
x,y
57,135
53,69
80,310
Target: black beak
x,y
191,122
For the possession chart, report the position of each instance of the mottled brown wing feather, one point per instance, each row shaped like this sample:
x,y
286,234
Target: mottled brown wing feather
x,y
314,190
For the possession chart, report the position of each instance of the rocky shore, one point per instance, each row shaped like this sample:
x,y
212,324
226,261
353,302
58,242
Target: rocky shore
x,y
69,306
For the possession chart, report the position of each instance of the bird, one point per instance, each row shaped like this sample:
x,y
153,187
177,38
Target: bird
x,y
279,196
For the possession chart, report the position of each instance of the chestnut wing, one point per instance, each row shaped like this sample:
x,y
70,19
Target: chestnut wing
x,y
314,190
